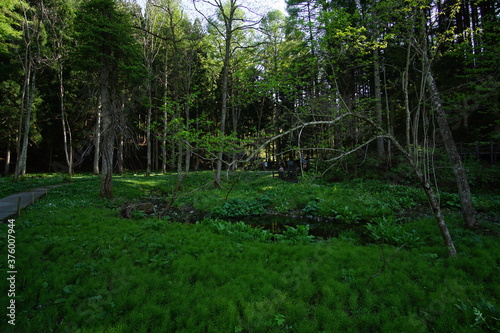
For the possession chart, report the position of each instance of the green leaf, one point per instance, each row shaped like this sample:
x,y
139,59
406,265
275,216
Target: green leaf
x,y
69,289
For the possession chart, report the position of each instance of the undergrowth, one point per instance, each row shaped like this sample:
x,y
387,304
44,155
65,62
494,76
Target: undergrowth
x,y
83,268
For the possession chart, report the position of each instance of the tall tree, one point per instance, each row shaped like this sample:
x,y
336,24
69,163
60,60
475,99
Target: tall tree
x,y
151,45
31,63
106,47
10,38
427,54
58,18
230,15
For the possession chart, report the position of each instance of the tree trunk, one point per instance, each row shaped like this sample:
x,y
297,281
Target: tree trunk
x,y
148,129
7,159
180,174
187,150
164,142
405,84
433,201
30,62
30,98
378,101
468,211
120,153
67,141
97,141
165,119
108,136
225,81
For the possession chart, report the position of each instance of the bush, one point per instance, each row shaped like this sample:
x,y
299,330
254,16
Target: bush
x,y
299,235
386,230
311,208
240,231
240,207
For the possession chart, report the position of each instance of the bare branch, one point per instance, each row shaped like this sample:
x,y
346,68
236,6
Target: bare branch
x,y
386,262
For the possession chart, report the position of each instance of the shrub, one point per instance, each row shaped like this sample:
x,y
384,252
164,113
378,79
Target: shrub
x,y
345,215
240,231
311,208
299,235
240,207
386,230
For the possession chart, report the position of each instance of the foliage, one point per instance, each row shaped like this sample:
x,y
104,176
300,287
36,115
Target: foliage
x,y
104,273
298,235
386,230
239,207
482,314
239,231
311,208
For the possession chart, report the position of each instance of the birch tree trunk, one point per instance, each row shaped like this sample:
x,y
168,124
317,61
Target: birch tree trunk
x,y
120,154
7,159
433,201
468,211
148,127
165,118
97,141
67,140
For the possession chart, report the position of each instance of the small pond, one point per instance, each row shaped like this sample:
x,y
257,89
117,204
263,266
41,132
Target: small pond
x,y
318,227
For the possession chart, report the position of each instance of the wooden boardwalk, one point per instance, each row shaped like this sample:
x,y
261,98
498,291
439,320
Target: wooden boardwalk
x,y
11,206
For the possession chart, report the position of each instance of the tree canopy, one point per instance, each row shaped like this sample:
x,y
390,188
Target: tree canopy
x,y
157,80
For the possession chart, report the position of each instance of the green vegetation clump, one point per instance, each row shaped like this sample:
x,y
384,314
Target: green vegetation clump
x,y
240,207
83,268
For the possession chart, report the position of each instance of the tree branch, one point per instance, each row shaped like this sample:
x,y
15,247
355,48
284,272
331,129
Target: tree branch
x,y
386,262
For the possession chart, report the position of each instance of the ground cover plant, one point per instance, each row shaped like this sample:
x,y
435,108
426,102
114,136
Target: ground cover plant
x,y
8,187
82,267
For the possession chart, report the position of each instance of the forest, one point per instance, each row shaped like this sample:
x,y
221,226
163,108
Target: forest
x,y
107,86
253,170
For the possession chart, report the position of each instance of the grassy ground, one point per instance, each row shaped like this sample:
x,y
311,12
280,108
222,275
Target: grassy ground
x,y
83,268
8,187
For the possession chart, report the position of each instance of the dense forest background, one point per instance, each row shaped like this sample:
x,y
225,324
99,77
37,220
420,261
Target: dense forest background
x,y
105,86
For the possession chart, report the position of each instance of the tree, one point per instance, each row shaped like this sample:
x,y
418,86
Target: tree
x,y
107,50
10,25
230,15
427,53
58,19
31,63
10,38
151,43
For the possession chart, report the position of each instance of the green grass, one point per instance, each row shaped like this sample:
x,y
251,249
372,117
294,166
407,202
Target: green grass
x,y
8,186
83,268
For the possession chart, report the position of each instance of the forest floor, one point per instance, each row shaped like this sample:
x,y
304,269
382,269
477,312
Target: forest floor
x,y
87,264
